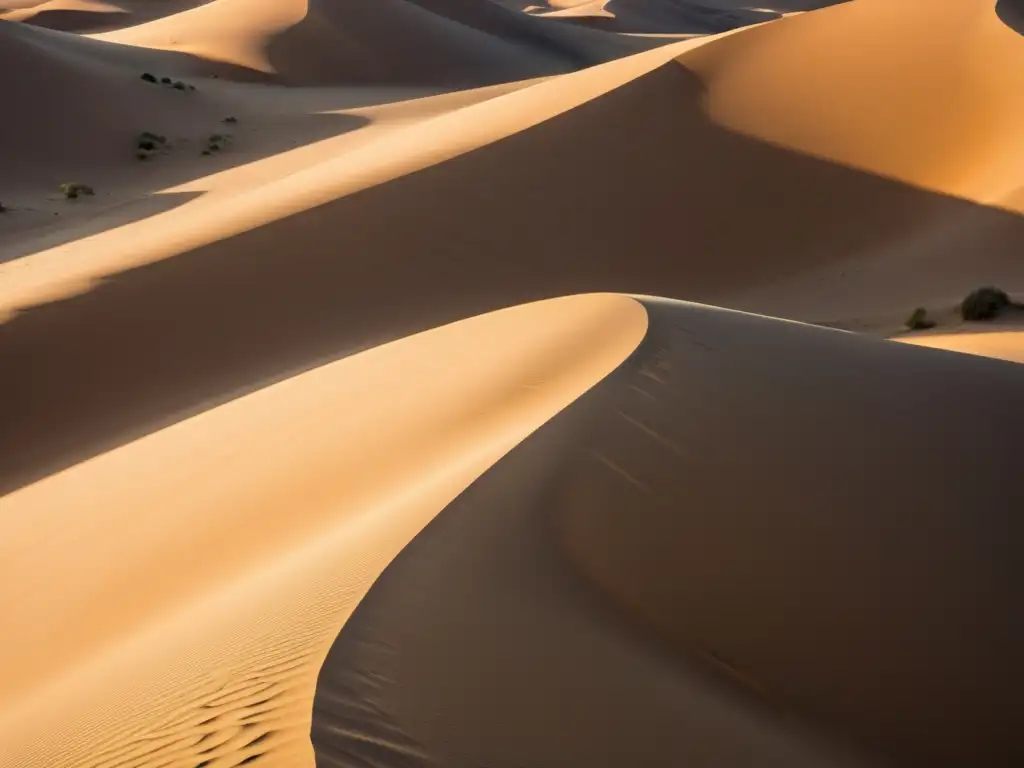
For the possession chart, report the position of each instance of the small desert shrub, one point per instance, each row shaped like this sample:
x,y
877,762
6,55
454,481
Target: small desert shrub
x,y
149,78
166,80
3,208
984,304
72,190
216,143
919,320
230,119
147,143
179,86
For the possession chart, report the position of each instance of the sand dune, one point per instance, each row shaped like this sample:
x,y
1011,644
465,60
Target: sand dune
x,y
1006,343
657,16
92,15
276,561
240,396
312,42
937,110
676,529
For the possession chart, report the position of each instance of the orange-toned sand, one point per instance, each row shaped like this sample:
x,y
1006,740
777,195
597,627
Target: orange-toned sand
x,y
359,441
246,534
90,15
1004,344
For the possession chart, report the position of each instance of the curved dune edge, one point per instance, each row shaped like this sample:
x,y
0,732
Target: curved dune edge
x,y
334,42
172,600
75,267
90,15
756,543
939,110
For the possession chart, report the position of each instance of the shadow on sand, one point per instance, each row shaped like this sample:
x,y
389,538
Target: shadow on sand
x,y
255,139
819,570
635,192
1011,13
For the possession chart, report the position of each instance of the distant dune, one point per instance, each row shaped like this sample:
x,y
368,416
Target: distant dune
x,y
316,42
341,424
91,15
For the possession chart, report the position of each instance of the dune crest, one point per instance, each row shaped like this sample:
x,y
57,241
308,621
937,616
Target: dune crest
x,y
296,500
342,425
85,16
938,109
756,543
346,42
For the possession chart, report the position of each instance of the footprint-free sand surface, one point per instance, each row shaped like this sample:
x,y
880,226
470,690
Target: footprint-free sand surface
x,y
478,382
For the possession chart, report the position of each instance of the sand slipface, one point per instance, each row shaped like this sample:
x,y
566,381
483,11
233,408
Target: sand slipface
x,y
298,495
86,16
936,110
751,529
346,42
241,400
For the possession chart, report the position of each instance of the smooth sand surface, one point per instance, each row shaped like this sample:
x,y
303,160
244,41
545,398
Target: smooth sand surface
x,y
904,107
654,16
317,42
1002,343
203,602
236,386
693,568
91,16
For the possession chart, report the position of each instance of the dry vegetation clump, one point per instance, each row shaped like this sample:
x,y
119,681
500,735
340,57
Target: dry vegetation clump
x,y
72,190
984,304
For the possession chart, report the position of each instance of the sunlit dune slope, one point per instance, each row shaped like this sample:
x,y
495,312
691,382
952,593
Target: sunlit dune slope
x,y
92,15
657,16
612,178
170,602
349,42
928,93
1005,343
756,543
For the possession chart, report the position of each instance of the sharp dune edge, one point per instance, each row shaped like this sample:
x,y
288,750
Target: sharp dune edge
x,y
274,562
364,441
689,566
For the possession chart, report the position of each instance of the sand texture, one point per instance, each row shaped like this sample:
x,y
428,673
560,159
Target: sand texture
x,y
504,383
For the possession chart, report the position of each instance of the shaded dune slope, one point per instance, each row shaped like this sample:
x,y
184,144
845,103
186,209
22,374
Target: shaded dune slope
x,y
750,529
937,109
776,6
318,482
84,16
659,16
316,42
701,211
686,544
81,104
